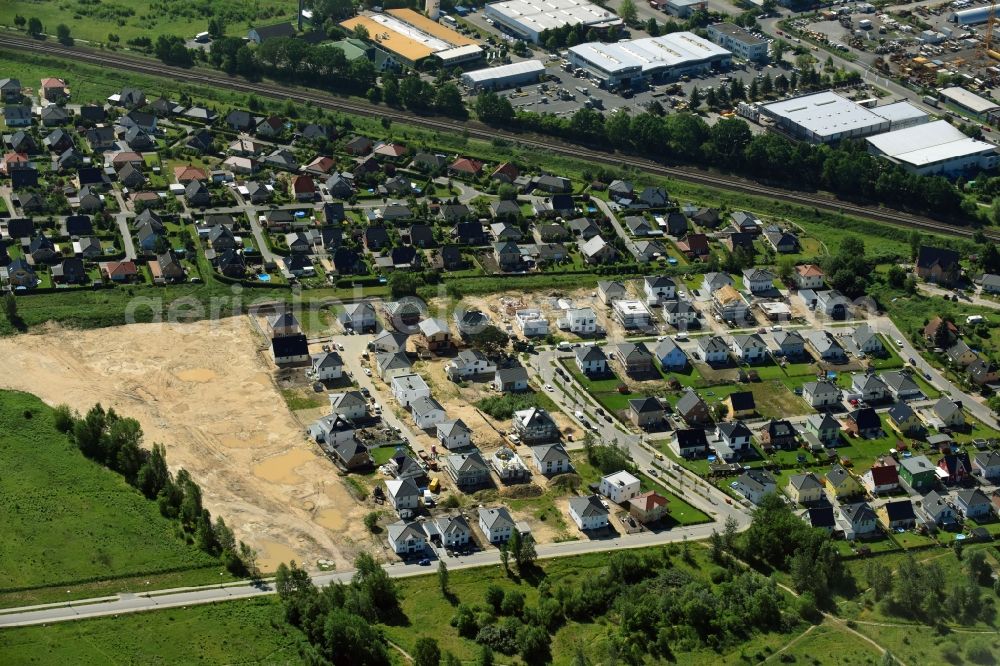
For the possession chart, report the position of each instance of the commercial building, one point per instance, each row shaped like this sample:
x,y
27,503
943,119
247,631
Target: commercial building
x,y
739,41
934,148
633,63
680,8
972,16
505,76
969,101
411,37
528,19
827,117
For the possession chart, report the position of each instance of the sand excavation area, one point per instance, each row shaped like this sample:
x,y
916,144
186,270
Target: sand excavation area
x,y
207,393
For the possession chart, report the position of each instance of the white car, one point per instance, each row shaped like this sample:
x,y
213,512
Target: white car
x,y
368,372
899,343
549,388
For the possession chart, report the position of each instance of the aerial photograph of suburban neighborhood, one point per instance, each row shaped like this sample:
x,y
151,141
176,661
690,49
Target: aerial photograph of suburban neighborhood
x,y
521,332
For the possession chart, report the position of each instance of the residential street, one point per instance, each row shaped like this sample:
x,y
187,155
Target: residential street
x,y
133,603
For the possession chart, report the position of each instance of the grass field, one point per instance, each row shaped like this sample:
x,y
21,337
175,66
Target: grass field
x,y
67,520
238,632
136,18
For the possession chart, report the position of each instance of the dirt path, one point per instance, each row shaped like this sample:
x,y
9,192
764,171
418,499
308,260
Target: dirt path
x,y
203,391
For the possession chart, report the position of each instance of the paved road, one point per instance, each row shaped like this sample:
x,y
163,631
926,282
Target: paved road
x,y
132,603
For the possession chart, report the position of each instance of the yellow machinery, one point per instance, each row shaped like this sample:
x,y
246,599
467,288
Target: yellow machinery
x,y
988,39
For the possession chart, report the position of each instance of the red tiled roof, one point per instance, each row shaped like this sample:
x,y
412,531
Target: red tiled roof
x,y
648,501
467,165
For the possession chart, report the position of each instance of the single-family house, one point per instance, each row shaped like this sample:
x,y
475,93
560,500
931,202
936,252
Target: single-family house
x,y
453,434
897,515
591,360
733,440
631,314
581,321
535,425
511,380
973,503
955,467
936,264
714,281
869,387
634,358
779,434
987,465
821,517
405,538
901,385
690,442
619,487
358,317
918,473
693,409
427,412
841,484
551,459
950,412
670,355
713,350
646,413
659,288
436,336
904,420
822,393
937,509
804,488
597,251
468,470
730,305
589,513
824,428
648,507
961,354
754,484
327,365
749,348
866,340
409,387
758,280
863,422
497,524
453,530
883,477
350,405
469,363
861,518
740,404
826,347
290,349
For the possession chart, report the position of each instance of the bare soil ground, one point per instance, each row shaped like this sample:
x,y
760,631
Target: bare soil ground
x,y
207,394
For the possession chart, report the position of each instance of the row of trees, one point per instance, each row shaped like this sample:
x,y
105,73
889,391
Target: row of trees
x,y
338,621
847,169
115,442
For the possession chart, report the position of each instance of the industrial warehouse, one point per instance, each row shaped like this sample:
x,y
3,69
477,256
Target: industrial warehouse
x,y
505,76
934,148
529,19
411,37
632,64
827,117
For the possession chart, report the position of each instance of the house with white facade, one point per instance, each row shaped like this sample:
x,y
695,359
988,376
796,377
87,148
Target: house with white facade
x,y
409,387
407,538
619,487
589,513
551,459
531,323
631,314
454,434
327,365
659,288
591,360
427,412
758,280
822,393
349,404
469,363
497,524
581,321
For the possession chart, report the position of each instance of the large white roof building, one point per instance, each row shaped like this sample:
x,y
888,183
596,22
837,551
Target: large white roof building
x,y
528,19
504,76
827,117
934,148
627,63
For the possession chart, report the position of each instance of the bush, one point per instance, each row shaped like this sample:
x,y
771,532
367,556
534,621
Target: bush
x,y
979,652
63,417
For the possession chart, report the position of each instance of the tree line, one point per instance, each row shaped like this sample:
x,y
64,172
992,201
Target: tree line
x,y
846,169
115,442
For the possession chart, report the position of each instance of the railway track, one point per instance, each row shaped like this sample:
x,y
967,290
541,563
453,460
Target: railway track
x,y
477,130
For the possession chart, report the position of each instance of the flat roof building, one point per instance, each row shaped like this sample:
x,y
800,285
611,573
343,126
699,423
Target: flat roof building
x,y
504,76
827,117
528,19
632,63
412,37
934,148
738,40
967,100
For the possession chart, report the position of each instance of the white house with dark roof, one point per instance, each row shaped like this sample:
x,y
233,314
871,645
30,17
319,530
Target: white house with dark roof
x,y
358,316
327,365
392,364
758,280
713,349
454,434
469,363
427,412
589,513
591,360
749,348
551,459
350,404
402,494
497,524
659,288
407,538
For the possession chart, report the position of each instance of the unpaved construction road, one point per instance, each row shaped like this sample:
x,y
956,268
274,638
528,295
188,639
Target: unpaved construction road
x,y
204,391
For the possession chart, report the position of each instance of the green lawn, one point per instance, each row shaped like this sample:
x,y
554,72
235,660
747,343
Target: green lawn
x,y
250,631
135,18
68,521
